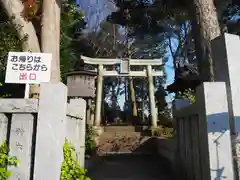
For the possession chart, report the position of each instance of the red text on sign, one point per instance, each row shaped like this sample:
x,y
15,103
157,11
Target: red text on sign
x,y
32,76
26,76
23,76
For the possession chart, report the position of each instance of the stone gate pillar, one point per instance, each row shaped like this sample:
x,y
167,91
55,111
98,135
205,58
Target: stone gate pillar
x,y
153,112
97,121
225,52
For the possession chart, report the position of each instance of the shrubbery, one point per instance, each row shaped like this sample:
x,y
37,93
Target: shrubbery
x,y
5,161
71,169
90,144
188,94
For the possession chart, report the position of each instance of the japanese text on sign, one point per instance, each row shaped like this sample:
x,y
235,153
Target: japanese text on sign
x,y
28,68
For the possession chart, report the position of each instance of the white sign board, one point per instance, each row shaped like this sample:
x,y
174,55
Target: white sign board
x,y
28,68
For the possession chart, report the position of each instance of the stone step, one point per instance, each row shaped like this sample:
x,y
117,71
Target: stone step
x,y
127,153
110,134
125,142
118,128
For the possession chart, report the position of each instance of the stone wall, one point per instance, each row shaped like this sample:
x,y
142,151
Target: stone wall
x,y
208,131
36,130
204,146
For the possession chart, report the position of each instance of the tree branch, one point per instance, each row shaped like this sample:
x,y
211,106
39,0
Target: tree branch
x,y
181,42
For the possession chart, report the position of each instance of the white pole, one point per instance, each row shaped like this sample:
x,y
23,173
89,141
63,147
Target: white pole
x,y
27,89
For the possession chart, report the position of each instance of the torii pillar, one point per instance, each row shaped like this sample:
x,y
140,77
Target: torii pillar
x,y
153,110
97,121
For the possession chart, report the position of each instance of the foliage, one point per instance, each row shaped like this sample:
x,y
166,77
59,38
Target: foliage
x,y
71,169
164,132
30,9
71,19
230,17
90,144
106,42
187,94
5,161
145,39
164,117
9,41
148,17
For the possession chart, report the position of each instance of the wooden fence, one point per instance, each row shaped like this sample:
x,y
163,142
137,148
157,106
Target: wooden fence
x,y
204,141
35,131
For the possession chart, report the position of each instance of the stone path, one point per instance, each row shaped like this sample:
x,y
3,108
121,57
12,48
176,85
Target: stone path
x,y
129,167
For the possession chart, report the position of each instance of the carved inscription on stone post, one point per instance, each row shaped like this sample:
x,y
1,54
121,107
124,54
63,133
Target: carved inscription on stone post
x,y
20,145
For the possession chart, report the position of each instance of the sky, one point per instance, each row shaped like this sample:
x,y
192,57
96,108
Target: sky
x,y
96,11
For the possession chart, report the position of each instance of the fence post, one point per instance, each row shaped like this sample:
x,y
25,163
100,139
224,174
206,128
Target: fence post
x,y
20,144
50,131
76,127
214,132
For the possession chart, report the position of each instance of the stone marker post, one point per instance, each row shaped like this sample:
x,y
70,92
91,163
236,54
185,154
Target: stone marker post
x,y
226,55
20,144
214,121
50,131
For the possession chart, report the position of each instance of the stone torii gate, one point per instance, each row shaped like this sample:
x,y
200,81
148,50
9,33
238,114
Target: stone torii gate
x,y
125,70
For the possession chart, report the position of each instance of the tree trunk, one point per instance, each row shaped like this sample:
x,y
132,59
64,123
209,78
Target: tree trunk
x,y
205,28
14,9
50,35
26,29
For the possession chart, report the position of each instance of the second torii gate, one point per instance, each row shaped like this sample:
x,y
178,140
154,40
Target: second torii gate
x,y
125,65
